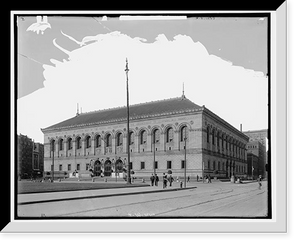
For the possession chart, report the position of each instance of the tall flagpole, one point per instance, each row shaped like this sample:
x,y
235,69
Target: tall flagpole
x,y
128,133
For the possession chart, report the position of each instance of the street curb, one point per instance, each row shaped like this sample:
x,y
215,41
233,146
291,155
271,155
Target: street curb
x,y
103,196
93,188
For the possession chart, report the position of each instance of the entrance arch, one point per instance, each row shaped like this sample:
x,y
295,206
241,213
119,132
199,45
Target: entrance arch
x,y
119,165
107,168
97,168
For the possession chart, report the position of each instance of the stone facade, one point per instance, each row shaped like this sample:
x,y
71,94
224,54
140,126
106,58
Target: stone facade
x,y
258,149
158,137
30,157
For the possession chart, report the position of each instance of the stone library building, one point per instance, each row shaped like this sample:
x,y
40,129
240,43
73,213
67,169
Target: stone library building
x,y
164,135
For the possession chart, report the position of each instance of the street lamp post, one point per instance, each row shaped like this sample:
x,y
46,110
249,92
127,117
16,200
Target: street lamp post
x,y
114,162
128,133
154,140
52,161
185,157
252,166
202,171
102,164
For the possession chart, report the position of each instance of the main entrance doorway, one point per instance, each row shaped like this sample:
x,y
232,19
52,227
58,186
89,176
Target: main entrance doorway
x,y
119,167
107,168
97,168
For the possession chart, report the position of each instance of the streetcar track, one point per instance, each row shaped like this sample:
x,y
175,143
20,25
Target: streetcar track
x,y
201,203
162,199
135,203
127,204
232,203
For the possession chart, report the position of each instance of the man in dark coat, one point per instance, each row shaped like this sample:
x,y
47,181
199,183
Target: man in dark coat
x,y
152,179
171,179
165,180
156,180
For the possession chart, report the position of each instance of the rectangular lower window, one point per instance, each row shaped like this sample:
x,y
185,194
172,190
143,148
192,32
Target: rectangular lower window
x,y
182,164
169,164
142,165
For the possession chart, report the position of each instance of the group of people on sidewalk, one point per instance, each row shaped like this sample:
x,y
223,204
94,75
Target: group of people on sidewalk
x,y
154,180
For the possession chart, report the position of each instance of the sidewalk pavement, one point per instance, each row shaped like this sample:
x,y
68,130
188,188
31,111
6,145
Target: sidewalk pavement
x,y
33,198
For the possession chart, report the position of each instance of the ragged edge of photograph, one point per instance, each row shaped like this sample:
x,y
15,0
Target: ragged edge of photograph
x,y
113,169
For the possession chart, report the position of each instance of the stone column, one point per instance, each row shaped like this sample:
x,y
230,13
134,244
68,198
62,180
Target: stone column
x,y
65,147
149,142
74,147
125,143
162,145
93,145
176,139
136,142
83,144
102,146
113,144
56,148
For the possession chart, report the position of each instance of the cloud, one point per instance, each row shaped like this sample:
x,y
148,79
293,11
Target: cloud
x,y
40,26
94,77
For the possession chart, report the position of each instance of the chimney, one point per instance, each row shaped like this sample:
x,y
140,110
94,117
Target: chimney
x,y
241,127
77,110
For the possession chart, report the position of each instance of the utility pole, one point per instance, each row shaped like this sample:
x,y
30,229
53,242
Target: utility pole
x,y
53,161
252,166
154,153
128,133
202,171
185,157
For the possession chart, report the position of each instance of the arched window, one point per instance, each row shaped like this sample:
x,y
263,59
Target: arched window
x,y
98,141
69,143
143,137
131,138
78,143
213,136
183,134
218,138
88,142
223,141
170,135
119,139
52,145
61,144
108,140
207,134
156,136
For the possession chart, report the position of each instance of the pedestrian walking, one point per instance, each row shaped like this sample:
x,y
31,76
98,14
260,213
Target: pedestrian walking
x,y
171,179
165,180
259,182
156,180
209,178
188,179
197,178
177,179
152,178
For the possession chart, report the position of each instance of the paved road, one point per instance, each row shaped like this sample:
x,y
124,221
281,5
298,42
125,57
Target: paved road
x,y
206,200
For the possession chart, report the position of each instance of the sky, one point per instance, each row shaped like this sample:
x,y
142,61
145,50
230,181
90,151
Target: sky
x,y
81,59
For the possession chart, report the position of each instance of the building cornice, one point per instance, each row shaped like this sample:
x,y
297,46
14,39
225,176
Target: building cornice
x,y
225,123
123,120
